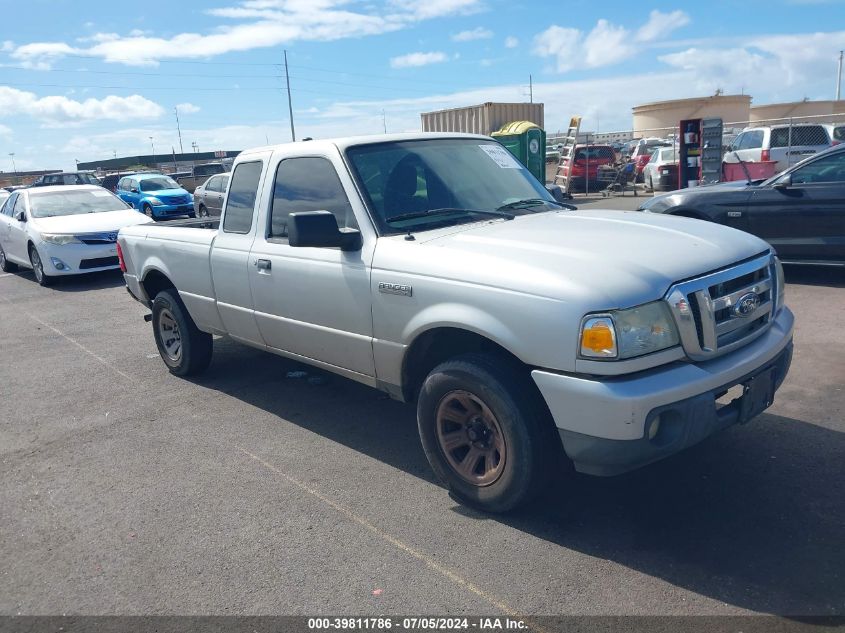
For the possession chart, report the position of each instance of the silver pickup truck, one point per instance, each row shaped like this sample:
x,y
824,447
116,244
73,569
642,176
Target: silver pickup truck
x,y
436,268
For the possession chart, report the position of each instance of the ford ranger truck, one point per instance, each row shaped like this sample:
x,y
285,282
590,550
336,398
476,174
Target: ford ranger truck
x,y
436,268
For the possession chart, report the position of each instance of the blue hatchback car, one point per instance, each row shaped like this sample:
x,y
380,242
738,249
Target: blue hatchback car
x,y
155,195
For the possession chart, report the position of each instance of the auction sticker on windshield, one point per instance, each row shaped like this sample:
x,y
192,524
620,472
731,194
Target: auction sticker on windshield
x,y
502,157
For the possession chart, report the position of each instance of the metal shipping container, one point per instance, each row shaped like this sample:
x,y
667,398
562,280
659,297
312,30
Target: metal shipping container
x,y
481,119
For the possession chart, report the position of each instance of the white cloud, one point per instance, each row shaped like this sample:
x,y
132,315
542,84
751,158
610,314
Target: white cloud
x,y
417,59
5,130
259,24
478,33
660,25
511,42
427,9
605,44
7,46
564,44
57,109
188,108
784,67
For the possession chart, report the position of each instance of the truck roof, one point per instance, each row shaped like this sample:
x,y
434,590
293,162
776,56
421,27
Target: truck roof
x,y
343,143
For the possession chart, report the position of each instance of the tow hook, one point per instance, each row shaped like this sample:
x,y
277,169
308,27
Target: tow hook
x,y
148,317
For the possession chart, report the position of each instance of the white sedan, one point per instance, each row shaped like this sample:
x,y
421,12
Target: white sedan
x,y
63,230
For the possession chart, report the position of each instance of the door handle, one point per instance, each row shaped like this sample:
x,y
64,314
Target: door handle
x,y
263,264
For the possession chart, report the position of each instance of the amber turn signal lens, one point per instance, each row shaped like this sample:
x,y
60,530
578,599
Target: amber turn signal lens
x,y
598,339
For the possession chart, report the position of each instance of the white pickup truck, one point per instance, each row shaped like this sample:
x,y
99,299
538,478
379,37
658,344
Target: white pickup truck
x,y
436,268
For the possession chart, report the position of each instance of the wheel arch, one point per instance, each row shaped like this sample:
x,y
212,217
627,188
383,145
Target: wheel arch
x,y
154,281
438,344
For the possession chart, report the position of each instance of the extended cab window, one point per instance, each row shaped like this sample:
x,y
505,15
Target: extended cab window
x,y
307,184
240,205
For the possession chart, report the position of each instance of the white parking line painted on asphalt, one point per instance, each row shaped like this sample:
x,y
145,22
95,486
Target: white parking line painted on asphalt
x,y
75,342
401,545
6,275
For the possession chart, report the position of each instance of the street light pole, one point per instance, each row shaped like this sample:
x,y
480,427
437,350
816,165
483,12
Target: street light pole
x,y
839,79
14,167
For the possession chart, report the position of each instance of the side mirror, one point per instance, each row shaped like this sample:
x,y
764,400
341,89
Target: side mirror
x,y
133,189
319,229
784,182
20,216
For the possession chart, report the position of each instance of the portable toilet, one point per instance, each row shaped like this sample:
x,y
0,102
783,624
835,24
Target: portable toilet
x,y
526,141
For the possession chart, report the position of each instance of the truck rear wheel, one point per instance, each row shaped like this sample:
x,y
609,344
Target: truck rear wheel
x,y
182,346
486,435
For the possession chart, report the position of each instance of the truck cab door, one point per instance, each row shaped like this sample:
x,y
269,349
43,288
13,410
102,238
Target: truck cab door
x,y
314,303
230,267
805,218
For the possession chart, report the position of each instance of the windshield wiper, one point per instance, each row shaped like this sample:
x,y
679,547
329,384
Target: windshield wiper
x,y
533,202
445,211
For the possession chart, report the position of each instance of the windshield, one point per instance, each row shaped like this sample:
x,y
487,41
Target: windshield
x,y
407,178
53,203
158,183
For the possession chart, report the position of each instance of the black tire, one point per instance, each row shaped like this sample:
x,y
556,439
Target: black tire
x,y
203,211
148,211
41,277
194,347
650,185
5,265
530,441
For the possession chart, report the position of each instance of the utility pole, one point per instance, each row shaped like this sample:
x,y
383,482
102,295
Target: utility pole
x,y
384,120
290,104
839,79
531,88
178,129
14,167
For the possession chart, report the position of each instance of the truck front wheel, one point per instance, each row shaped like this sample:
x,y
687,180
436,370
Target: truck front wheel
x,y
486,435
182,346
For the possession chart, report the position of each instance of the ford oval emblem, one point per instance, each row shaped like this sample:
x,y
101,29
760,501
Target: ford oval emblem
x,y
746,305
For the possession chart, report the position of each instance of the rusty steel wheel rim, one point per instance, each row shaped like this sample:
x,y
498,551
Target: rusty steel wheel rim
x,y
471,438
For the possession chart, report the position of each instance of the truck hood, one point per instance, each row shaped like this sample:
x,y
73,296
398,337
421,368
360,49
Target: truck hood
x,y
90,222
613,259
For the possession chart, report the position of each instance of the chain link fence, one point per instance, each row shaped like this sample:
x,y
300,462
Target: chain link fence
x,y
796,136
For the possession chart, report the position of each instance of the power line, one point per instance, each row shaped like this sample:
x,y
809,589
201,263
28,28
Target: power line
x,y
134,73
170,61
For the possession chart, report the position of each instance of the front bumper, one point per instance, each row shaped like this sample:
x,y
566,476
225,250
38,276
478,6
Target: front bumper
x,y
604,422
167,210
76,259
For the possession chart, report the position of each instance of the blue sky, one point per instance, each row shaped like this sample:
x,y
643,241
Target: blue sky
x,y
84,80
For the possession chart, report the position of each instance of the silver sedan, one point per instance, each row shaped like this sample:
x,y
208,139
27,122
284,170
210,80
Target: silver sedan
x,y
208,197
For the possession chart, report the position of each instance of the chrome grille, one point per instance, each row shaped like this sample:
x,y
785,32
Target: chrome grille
x,y
724,310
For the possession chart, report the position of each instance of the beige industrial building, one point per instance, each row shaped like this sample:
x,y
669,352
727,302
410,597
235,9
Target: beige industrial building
x,y
661,117
781,112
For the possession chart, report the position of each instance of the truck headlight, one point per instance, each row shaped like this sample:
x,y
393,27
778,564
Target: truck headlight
x,y
628,333
154,201
59,239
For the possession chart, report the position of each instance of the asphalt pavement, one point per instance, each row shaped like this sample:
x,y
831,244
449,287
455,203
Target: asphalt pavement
x,y
125,490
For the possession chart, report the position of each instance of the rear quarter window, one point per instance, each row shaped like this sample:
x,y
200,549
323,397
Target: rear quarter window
x,y
243,192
